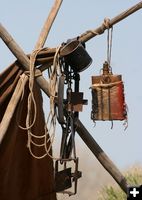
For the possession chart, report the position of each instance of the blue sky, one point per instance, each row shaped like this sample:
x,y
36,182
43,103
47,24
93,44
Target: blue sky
x,y
24,20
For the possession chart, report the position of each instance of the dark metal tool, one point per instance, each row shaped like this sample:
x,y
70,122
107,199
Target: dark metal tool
x,y
65,178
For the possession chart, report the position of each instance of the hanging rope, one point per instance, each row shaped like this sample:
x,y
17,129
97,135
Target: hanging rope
x,y
109,40
31,99
50,125
109,46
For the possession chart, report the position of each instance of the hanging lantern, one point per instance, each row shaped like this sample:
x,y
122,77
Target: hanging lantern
x,y
108,102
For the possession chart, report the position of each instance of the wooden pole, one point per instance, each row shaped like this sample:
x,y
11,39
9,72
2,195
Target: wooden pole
x,y
46,60
82,131
101,156
22,58
48,24
84,134
92,33
100,30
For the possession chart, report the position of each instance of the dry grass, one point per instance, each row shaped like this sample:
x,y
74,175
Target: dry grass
x,y
97,184
110,192
94,177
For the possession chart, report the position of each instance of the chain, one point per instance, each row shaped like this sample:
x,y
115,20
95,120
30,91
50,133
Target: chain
x,y
67,150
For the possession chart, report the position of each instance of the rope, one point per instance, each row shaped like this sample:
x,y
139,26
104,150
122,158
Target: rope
x,y
31,74
105,85
50,125
93,32
109,45
107,25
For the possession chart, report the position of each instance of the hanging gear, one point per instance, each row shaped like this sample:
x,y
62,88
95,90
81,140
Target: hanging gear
x,y
75,55
108,102
67,111
61,99
67,178
68,108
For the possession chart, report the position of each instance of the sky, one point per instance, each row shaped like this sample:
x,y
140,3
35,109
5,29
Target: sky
x,y
24,20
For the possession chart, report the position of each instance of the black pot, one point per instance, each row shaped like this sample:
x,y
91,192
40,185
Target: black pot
x,y
76,55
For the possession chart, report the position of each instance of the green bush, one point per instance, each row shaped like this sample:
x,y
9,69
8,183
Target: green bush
x,y
134,178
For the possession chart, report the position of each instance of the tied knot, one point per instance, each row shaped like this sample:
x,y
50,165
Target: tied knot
x,y
36,73
106,23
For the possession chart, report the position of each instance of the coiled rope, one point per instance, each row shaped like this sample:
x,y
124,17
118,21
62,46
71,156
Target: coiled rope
x,y
50,125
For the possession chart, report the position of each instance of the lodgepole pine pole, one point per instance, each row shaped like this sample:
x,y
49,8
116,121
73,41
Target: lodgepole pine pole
x,y
82,131
98,31
48,24
101,156
22,58
84,134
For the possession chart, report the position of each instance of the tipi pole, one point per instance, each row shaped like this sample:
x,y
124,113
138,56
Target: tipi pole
x,y
84,134
48,24
82,131
98,31
22,58
100,155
